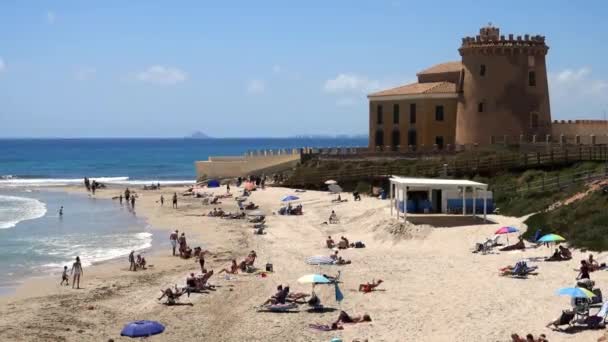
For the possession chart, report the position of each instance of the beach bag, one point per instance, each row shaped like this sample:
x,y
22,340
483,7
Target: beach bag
x,y
359,244
269,267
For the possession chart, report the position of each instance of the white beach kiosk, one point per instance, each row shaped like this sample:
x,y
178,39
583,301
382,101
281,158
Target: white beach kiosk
x,y
437,193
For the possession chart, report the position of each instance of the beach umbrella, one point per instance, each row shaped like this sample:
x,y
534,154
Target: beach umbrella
x,y
290,198
335,188
255,213
142,329
507,230
313,279
551,238
339,294
330,182
576,292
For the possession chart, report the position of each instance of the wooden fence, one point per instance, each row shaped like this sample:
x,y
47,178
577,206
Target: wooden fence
x,y
455,166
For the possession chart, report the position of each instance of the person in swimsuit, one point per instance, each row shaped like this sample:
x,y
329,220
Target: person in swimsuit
x,y
77,272
584,271
201,261
132,265
64,277
175,200
345,318
61,211
162,200
234,268
173,238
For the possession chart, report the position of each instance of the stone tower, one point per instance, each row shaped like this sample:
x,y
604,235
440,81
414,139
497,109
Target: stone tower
x,y
503,88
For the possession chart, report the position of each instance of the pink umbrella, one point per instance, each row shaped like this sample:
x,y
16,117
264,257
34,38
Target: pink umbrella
x,y
507,230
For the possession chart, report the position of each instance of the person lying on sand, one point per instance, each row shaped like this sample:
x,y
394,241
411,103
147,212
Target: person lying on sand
x,y
294,297
369,287
234,268
330,242
346,318
172,296
519,245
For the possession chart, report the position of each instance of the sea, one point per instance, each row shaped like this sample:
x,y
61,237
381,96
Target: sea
x,y
35,240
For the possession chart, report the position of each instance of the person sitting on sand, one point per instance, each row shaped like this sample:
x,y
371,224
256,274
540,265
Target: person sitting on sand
x,y
593,264
234,268
333,218
141,262
279,297
334,256
191,283
556,256
330,242
584,271
172,296
201,282
356,196
248,262
565,252
187,253
346,318
344,243
369,287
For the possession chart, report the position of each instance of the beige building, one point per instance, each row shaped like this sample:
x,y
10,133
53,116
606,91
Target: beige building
x,y
498,88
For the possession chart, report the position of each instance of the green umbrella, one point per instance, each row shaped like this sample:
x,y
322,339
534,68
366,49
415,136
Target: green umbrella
x,y
551,238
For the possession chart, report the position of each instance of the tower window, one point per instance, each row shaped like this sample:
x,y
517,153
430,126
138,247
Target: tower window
x,y
395,113
482,70
480,107
438,113
379,113
412,114
531,78
531,61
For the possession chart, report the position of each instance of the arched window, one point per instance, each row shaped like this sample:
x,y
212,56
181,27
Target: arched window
x,y
379,138
396,139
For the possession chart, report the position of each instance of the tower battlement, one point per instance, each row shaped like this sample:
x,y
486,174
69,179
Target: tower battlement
x,y
490,41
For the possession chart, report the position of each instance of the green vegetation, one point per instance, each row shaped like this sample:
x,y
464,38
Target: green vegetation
x,y
584,223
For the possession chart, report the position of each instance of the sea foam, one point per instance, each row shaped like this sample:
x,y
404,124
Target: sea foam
x,y
10,181
15,209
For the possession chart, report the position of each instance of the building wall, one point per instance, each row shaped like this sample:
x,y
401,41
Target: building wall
x,y
243,166
508,100
427,128
581,131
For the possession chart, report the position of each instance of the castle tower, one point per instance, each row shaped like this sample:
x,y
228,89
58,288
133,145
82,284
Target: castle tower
x,y
503,87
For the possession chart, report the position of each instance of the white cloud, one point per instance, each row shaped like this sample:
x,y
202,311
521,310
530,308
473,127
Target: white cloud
x,y
350,83
256,87
576,93
2,65
162,75
51,17
85,73
277,69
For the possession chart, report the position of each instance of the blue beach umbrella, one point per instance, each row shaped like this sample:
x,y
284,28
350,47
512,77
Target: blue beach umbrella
x,y
575,292
313,279
551,238
142,329
339,294
290,198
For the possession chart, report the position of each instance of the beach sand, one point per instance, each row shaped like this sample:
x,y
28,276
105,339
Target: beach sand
x,y
434,288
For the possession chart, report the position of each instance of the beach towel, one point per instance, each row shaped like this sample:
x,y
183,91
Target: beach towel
x,y
278,307
320,260
320,327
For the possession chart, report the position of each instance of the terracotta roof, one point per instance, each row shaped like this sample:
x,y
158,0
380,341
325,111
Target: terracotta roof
x,y
419,89
443,67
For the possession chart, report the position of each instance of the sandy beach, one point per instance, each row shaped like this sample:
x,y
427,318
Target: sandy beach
x,y
434,288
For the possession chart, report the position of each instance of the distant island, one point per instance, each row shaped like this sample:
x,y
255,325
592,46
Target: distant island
x,y
198,135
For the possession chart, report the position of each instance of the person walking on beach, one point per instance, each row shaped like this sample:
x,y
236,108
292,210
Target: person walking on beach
x,y
77,272
175,200
120,199
133,202
162,200
64,277
127,194
61,212
173,238
227,188
201,261
93,187
133,266
182,244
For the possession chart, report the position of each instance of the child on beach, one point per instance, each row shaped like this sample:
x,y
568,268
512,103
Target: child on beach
x,y
64,277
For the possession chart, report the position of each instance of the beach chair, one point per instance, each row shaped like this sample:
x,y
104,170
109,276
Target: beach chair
x,y
598,320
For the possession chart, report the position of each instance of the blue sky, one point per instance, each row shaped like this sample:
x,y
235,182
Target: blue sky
x,y
259,68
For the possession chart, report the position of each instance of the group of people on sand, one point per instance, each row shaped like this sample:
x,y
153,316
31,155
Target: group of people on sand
x,y
291,210
343,243
92,185
180,243
529,338
76,271
139,263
